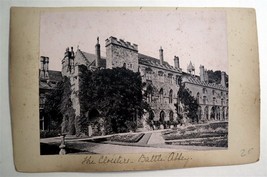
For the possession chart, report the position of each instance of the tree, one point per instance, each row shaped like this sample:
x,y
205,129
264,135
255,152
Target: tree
x,y
191,106
116,93
59,109
215,77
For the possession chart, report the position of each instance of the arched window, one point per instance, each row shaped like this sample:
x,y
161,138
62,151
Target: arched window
x,y
161,116
149,93
204,90
161,95
170,96
171,115
222,101
124,65
204,99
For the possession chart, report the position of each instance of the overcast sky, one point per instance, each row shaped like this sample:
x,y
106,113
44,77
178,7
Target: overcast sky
x,y
198,36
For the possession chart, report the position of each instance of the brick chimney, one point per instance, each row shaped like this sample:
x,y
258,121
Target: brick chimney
x,y
176,62
223,79
97,52
202,73
44,67
161,55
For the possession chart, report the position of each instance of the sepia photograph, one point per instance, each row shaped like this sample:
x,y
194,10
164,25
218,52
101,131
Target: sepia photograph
x,y
124,80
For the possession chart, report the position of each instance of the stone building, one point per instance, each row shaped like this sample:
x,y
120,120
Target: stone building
x,y
160,78
48,80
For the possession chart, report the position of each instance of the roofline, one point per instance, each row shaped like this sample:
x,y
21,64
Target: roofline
x,y
161,68
226,89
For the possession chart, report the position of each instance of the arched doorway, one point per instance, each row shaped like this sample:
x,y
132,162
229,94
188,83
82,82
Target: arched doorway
x,y
206,112
161,117
213,112
171,116
223,113
217,113
93,115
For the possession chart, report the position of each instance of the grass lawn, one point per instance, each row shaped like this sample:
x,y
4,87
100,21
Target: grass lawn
x,y
213,134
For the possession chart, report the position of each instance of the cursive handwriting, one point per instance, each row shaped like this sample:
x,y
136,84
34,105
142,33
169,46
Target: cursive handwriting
x,y
142,158
149,158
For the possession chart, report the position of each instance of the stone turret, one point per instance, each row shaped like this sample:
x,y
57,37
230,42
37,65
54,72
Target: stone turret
x,y
191,68
120,53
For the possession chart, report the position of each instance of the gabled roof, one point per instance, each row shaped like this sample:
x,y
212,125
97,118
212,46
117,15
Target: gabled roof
x,y
55,75
153,62
51,83
88,59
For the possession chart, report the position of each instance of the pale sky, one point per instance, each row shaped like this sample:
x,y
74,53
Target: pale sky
x,y
199,36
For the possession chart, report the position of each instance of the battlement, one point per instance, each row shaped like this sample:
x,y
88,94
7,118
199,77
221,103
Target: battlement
x,y
121,43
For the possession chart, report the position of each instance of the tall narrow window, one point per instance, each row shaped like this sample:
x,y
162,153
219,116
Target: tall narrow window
x,y
170,96
161,95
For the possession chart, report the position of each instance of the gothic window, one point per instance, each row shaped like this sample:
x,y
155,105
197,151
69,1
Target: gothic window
x,y
149,93
214,100
161,95
170,78
148,72
204,90
124,65
170,96
222,101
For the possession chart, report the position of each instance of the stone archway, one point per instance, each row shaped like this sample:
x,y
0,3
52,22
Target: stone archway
x,y
213,113
162,119
206,113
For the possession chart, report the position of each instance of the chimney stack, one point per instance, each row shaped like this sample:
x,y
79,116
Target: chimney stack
x,y
97,52
206,76
202,73
223,79
176,62
161,55
44,67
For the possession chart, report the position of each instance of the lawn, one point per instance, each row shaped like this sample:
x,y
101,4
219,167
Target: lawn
x,y
213,134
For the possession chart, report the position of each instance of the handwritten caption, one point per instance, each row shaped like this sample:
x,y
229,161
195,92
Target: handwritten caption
x,y
142,158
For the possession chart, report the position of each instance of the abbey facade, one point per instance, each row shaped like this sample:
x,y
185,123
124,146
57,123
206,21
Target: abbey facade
x,y
160,78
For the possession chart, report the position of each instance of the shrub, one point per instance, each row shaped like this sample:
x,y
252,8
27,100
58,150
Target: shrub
x,y
48,134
